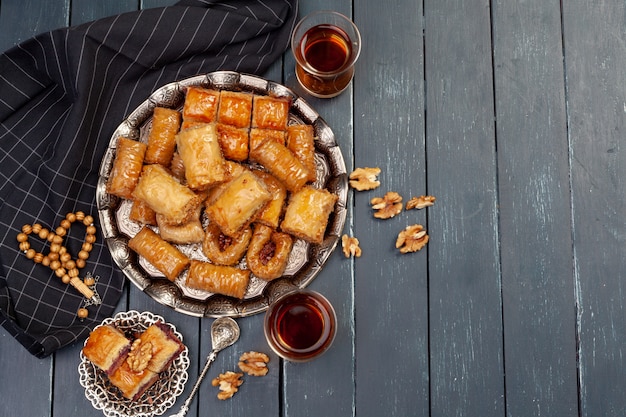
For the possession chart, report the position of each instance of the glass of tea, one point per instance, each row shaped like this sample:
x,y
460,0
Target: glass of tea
x,y
300,325
326,45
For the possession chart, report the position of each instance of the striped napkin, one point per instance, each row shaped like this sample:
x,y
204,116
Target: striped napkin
x,y
62,94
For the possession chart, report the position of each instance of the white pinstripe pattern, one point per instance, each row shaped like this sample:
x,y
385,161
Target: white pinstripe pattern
x,y
61,96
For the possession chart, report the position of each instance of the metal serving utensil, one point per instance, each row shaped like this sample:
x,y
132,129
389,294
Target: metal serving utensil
x,y
224,332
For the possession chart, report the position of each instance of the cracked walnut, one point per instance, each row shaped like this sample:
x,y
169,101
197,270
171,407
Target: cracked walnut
x,y
412,239
387,206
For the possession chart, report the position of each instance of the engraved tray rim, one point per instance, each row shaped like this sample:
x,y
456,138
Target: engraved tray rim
x,y
158,398
170,293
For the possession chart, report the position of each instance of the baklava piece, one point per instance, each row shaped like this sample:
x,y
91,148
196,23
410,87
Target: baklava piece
x,y
161,344
268,253
142,213
219,279
282,163
162,136
129,156
202,157
307,213
201,105
165,195
182,234
270,112
161,254
222,249
235,109
301,141
233,141
270,214
107,348
257,136
238,203
132,384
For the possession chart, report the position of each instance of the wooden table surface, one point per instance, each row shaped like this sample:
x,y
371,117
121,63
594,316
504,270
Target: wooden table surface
x,y
512,114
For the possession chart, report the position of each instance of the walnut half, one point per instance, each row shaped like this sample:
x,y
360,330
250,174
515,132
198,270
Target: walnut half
x,y
412,239
254,363
139,355
364,178
420,202
387,206
350,246
229,383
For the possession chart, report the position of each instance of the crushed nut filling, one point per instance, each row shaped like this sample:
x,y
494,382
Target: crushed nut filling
x,y
364,178
420,202
412,239
224,241
388,206
254,363
267,253
350,246
229,383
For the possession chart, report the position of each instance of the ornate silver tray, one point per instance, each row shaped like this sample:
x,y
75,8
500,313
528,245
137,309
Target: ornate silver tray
x,y
306,260
157,399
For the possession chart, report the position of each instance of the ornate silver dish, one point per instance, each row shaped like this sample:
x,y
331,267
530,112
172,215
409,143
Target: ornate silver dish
x,y
157,399
306,260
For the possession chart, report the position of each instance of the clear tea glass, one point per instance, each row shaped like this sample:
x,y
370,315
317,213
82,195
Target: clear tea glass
x,y
326,45
300,325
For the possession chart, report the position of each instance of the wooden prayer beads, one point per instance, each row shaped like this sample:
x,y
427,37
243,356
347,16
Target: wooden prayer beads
x,y
58,259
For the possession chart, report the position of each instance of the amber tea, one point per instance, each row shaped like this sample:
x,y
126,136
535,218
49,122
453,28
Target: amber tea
x,y
326,45
300,325
326,48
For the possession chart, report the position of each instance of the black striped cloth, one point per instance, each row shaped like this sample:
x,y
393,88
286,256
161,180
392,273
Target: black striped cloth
x,y
62,94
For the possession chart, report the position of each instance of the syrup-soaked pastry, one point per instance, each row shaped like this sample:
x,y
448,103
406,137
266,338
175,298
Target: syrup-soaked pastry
x,y
238,203
219,279
177,168
233,170
235,109
222,249
270,112
301,141
142,213
200,106
162,255
162,136
132,384
233,141
127,167
165,195
107,348
202,156
189,232
306,216
268,252
270,215
281,163
257,136
165,346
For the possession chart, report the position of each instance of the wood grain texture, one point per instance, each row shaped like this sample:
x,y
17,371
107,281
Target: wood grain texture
x,y
466,352
595,59
391,290
21,20
534,199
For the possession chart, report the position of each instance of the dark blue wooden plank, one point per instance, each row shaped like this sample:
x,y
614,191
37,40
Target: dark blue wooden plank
x,y
595,59
326,385
83,11
537,282
21,20
391,289
466,352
